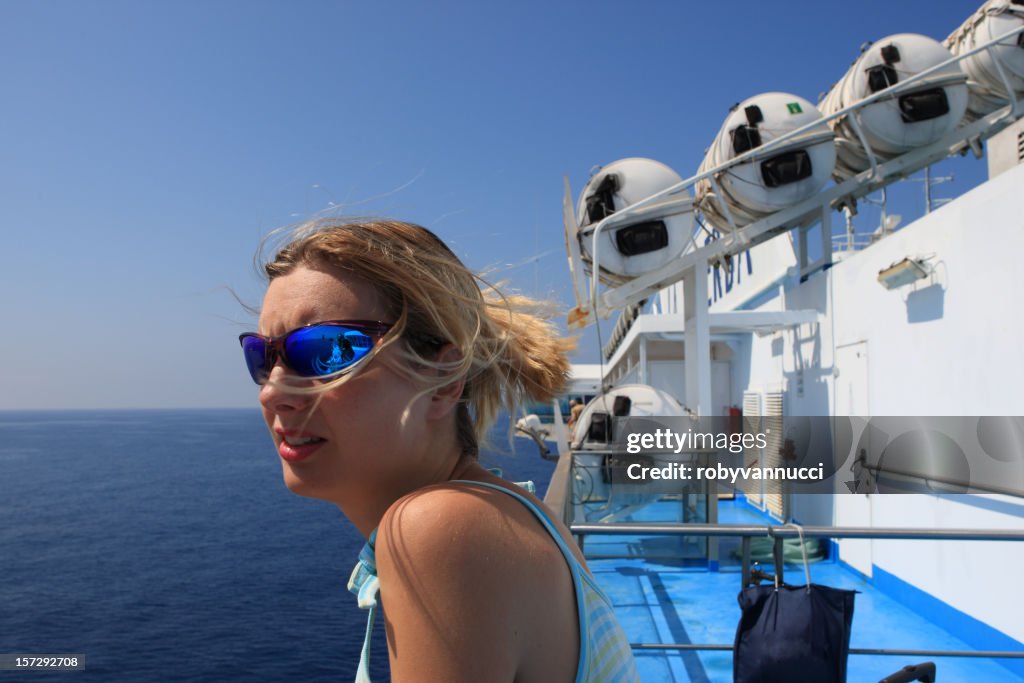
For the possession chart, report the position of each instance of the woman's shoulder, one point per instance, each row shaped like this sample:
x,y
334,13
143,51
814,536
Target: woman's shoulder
x,y
459,541
460,520
463,568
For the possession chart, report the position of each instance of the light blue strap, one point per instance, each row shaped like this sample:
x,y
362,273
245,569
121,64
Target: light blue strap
x,y
366,586
363,672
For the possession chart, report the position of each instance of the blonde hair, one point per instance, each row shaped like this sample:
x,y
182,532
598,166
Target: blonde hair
x,y
508,350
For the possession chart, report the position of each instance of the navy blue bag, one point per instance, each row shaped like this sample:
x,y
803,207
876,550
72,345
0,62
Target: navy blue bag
x,y
793,634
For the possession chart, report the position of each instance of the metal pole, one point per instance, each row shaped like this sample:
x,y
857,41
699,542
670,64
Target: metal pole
x,y
927,190
740,530
995,654
745,559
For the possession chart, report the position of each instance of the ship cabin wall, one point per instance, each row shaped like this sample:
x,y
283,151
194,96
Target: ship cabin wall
x,y
1006,149
948,344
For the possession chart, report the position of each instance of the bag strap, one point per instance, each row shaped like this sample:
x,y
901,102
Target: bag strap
x,y
803,549
777,554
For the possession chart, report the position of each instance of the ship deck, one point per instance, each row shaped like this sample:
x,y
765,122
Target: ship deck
x,y
674,600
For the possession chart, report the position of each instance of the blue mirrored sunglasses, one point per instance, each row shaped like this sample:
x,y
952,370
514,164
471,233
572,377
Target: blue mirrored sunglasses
x,y
316,350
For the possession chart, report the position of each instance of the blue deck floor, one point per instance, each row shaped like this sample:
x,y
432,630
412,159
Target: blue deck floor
x,y
675,601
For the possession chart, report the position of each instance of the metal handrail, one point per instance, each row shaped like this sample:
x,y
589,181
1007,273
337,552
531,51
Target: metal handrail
x,y
777,532
995,654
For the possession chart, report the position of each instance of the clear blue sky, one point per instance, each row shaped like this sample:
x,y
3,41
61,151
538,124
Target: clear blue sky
x,y
145,147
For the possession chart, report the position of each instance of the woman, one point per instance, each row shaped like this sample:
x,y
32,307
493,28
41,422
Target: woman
x,y
381,366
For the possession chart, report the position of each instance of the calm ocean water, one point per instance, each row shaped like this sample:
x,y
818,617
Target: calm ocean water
x,y
164,546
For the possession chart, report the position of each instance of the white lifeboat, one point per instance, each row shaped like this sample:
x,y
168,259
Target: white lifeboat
x,y
783,176
593,429
644,240
986,90
908,119
594,439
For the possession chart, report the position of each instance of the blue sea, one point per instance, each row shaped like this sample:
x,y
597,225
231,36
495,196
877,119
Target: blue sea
x,y
164,546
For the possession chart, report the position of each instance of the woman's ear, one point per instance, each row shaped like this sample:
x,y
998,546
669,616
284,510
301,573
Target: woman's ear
x,y
445,398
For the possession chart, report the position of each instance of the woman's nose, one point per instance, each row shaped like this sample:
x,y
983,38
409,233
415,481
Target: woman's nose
x,y
276,396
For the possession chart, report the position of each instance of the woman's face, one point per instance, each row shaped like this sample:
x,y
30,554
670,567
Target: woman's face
x,y
351,442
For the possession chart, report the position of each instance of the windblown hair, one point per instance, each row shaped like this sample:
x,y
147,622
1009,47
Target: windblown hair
x,y
508,350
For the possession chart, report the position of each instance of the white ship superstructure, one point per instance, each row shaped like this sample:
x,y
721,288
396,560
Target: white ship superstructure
x,y
771,312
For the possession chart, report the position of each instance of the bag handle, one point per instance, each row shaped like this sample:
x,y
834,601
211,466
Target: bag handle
x,y
778,554
803,549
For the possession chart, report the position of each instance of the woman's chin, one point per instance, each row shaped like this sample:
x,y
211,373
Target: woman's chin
x,y
300,485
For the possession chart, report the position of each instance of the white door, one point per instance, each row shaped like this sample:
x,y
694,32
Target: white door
x,y
721,386
853,509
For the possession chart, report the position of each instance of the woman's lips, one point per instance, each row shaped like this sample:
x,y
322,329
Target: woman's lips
x,y
301,446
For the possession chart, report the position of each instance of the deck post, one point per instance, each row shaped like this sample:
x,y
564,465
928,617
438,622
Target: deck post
x,y
745,560
643,374
777,556
697,340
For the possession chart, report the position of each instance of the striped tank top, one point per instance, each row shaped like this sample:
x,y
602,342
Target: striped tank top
x,y
605,655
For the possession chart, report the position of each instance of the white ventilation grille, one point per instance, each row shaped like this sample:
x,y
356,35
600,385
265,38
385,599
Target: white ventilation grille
x,y
762,414
752,456
774,490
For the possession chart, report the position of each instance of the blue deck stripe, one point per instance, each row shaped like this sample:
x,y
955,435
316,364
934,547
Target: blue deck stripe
x,y
690,659
975,633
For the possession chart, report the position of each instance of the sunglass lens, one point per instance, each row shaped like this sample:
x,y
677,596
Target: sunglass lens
x,y
255,350
325,349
